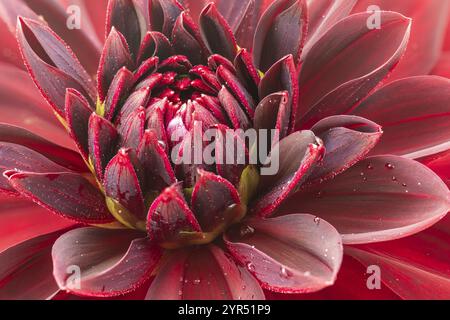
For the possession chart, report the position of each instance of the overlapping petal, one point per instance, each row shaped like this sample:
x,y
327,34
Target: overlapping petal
x,y
376,200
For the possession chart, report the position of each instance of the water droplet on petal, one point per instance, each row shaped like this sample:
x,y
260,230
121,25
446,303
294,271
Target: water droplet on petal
x,y
317,220
285,273
390,166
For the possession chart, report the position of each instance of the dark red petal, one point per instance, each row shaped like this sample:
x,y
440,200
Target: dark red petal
x,y
228,79
77,116
123,182
322,15
290,163
217,33
155,163
52,65
427,34
203,273
139,98
83,41
415,267
22,105
122,15
376,200
66,194
414,114
273,113
155,44
347,140
186,40
231,157
132,129
20,158
213,105
329,87
169,216
214,200
60,155
147,68
26,270
112,262
117,92
237,116
282,76
115,55
102,139
281,31
189,154
163,14
207,76
247,71
290,254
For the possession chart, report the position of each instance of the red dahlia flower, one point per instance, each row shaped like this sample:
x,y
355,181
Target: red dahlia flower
x,y
356,124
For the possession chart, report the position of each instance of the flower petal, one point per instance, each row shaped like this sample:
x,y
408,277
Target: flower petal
x,y
118,91
427,33
376,200
442,68
163,14
228,79
187,41
26,270
322,15
59,18
281,31
237,116
112,262
169,216
116,54
414,114
273,113
21,220
66,194
288,166
60,155
132,129
289,254
52,65
329,87
217,33
213,200
22,105
122,15
415,267
347,140
203,273
155,44
102,140
282,76
77,116
123,182
155,163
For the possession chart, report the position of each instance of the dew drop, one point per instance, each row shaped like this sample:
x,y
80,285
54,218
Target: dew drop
x,y
284,273
370,166
197,281
317,220
250,266
389,166
246,231
404,184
